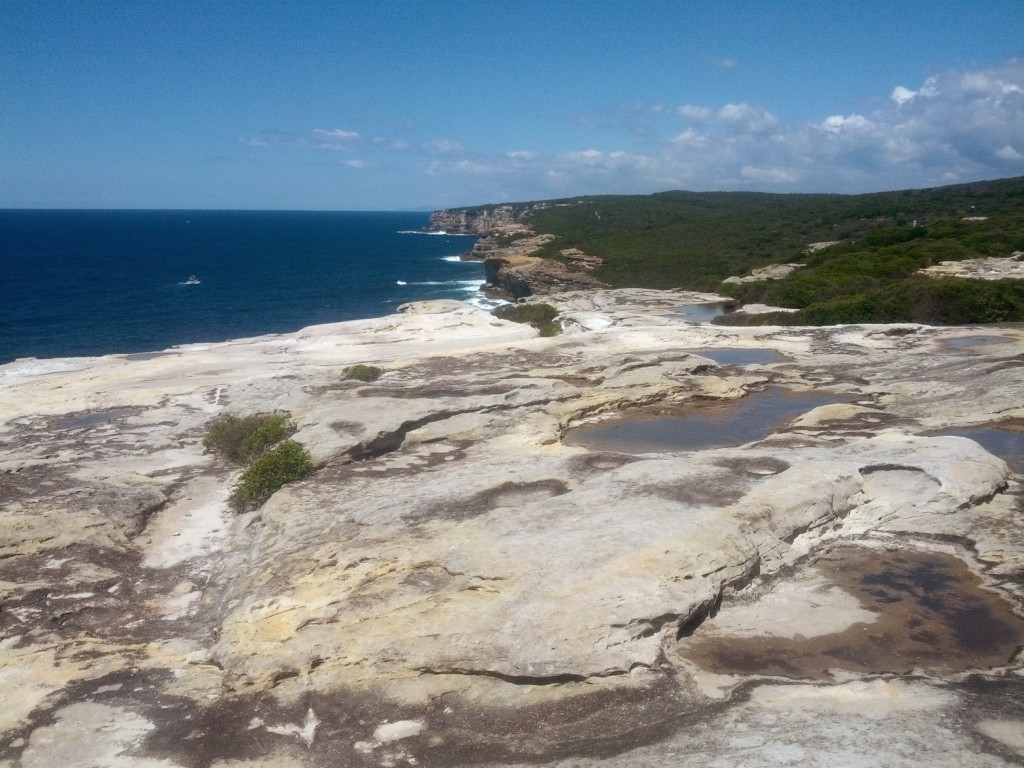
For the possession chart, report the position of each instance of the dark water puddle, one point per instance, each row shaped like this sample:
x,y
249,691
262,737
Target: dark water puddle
x,y
700,425
932,615
721,356
1006,442
91,419
966,342
700,313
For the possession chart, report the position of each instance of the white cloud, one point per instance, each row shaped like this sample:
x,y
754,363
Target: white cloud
x,y
838,123
396,144
769,175
474,167
357,164
956,126
584,157
747,117
976,82
689,136
902,95
334,138
443,147
696,114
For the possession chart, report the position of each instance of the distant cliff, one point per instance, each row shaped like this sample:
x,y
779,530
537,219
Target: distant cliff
x,y
481,220
505,247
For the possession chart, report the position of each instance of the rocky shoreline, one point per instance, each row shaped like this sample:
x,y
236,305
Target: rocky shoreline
x,y
506,247
457,584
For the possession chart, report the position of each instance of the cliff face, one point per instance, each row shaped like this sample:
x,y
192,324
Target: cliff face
x,y
480,221
514,273
511,270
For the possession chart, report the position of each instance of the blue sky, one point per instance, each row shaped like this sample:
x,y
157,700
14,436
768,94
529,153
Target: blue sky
x,y
413,105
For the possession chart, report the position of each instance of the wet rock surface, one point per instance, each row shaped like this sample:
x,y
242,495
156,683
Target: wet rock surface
x,y
457,585
910,611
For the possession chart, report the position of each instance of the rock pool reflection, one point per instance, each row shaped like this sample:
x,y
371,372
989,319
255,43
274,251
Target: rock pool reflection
x,y
966,342
1006,442
700,425
700,313
727,356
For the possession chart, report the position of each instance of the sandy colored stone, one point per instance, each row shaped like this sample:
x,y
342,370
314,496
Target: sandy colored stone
x,y
982,268
773,271
454,584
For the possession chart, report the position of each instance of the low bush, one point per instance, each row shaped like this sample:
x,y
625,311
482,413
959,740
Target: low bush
x,y
695,240
242,438
361,372
540,316
256,440
284,464
947,301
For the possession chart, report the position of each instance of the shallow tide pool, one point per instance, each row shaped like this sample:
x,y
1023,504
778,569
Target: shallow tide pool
x,y
1006,443
736,356
700,313
699,425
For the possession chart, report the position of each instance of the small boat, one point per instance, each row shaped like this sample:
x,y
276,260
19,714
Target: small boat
x,y
192,280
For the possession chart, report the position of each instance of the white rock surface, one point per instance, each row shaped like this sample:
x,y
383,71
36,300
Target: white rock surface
x,y
454,584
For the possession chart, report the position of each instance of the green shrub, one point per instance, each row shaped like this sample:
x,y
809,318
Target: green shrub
x,y
894,235
284,464
947,301
362,372
695,240
540,316
241,439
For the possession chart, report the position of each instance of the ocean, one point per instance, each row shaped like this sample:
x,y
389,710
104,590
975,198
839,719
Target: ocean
x,y
78,283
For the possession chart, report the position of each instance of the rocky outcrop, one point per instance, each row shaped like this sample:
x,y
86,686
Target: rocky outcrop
x,y
771,272
485,220
513,273
457,584
982,268
506,246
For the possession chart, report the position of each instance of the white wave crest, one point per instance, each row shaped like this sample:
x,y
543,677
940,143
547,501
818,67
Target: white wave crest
x,y
435,232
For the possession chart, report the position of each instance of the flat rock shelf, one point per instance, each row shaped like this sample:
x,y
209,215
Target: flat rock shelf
x,y
457,583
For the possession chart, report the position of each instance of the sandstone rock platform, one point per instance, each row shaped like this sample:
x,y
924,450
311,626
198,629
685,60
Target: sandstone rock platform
x,y
456,584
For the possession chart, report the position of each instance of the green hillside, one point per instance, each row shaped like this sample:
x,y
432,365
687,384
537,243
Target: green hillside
x,y
694,240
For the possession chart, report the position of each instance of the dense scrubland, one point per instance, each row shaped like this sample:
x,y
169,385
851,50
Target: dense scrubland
x,y
694,240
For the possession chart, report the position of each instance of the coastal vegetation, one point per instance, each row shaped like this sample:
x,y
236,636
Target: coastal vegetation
x,y
876,278
694,240
240,439
362,372
270,472
258,440
540,316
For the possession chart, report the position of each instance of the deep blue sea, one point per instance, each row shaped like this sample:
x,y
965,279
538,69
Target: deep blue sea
x,y
100,282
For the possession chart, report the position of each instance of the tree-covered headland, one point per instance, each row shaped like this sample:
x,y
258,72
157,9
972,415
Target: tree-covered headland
x,y
694,240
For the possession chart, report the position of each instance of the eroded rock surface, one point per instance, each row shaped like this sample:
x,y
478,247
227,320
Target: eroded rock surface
x,y
981,268
456,584
513,272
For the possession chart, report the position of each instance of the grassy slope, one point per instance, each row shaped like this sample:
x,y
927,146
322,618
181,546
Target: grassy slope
x,y
694,240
